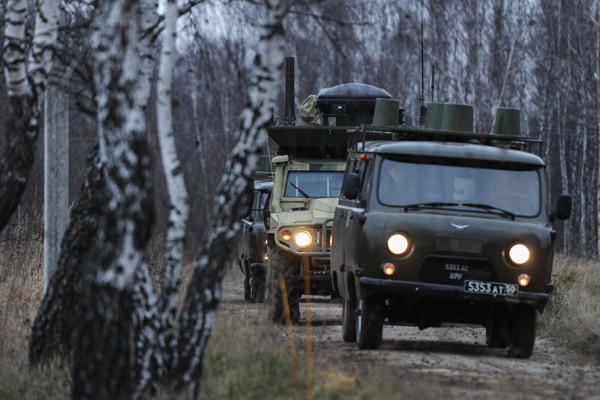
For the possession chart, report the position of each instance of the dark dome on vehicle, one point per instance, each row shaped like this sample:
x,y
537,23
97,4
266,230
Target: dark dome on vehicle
x,y
353,91
349,103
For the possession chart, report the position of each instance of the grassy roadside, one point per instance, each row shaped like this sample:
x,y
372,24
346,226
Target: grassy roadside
x,y
573,315
243,361
247,360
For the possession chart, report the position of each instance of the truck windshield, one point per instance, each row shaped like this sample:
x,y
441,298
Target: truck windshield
x,y
485,189
313,184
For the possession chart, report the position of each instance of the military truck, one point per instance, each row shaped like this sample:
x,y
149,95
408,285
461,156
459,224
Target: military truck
x,y
441,225
253,249
308,171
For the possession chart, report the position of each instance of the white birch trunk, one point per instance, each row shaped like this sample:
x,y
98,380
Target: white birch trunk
x,y
103,365
176,189
14,49
22,126
204,292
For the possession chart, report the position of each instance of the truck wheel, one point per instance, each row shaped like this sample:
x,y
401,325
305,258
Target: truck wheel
x,y
257,285
349,320
369,323
496,332
246,271
283,264
522,333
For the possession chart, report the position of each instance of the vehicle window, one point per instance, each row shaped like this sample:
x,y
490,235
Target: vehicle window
x,y
260,203
404,183
313,184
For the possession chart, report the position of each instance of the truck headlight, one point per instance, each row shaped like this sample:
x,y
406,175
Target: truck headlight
x,y
302,239
518,254
398,244
286,235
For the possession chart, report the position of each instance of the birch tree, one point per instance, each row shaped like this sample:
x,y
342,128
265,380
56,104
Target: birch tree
x,y
117,299
204,291
26,69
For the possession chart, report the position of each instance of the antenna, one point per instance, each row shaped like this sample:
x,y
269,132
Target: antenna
x,y
432,80
290,114
423,113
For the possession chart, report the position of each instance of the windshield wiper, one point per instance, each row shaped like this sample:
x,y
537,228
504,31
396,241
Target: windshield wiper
x,y
490,208
432,204
302,192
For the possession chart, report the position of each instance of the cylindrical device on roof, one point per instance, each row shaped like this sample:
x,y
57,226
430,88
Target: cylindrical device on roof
x,y
450,117
290,112
386,112
507,122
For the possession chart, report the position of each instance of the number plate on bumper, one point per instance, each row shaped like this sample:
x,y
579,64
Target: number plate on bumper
x,y
492,288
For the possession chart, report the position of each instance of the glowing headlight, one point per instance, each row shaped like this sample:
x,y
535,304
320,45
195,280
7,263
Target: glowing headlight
x,y
302,239
397,244
286,235
519,254
389,269
523,279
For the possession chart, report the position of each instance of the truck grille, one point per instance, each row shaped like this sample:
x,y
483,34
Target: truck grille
x,y
328,239
454,270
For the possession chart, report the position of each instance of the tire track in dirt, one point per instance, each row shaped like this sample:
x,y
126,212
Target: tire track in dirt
x,y
448,362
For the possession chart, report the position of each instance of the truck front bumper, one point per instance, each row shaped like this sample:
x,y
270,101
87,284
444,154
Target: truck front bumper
x,y
451,292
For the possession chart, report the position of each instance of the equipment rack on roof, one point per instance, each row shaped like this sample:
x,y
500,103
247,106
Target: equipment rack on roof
x,y
408,133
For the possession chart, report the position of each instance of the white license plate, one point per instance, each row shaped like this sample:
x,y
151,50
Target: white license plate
x,y
493,288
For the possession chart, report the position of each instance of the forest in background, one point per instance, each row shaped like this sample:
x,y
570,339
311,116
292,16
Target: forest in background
x,y
540,56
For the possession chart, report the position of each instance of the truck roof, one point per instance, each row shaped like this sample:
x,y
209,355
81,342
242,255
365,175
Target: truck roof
x,y
457,150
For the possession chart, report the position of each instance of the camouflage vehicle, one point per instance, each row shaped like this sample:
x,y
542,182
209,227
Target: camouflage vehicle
x,y
307,181
441,225
253,250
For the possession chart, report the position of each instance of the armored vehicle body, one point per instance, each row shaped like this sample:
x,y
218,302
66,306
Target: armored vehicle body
x,y
444,226
308,173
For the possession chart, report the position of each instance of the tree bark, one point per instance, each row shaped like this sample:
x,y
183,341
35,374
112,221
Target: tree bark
x,y
53,327
102,365
204,292
26,85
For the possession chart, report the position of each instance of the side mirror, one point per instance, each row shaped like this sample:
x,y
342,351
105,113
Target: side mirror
x,y
563,206
248,212
351,185
265,214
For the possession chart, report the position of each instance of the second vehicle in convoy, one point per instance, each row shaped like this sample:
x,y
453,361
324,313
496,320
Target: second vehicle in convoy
x,y
308,173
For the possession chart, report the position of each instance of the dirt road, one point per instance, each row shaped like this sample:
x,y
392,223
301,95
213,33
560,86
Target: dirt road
x,y
447,362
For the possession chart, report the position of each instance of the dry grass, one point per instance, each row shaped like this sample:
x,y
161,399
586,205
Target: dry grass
x,y
574,312
21,288
246,360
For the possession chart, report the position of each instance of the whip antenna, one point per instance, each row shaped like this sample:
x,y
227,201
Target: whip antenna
x,y
423,113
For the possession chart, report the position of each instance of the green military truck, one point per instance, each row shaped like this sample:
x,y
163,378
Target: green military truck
x,y
253,248
441,225
308,173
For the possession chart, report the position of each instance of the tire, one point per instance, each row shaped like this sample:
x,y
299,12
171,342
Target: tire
x,y
349,320
246,271
496,331
286,265
522,332
369,323
257,286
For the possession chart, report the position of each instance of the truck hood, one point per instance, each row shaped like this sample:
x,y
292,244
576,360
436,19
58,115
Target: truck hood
x,y
317,211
